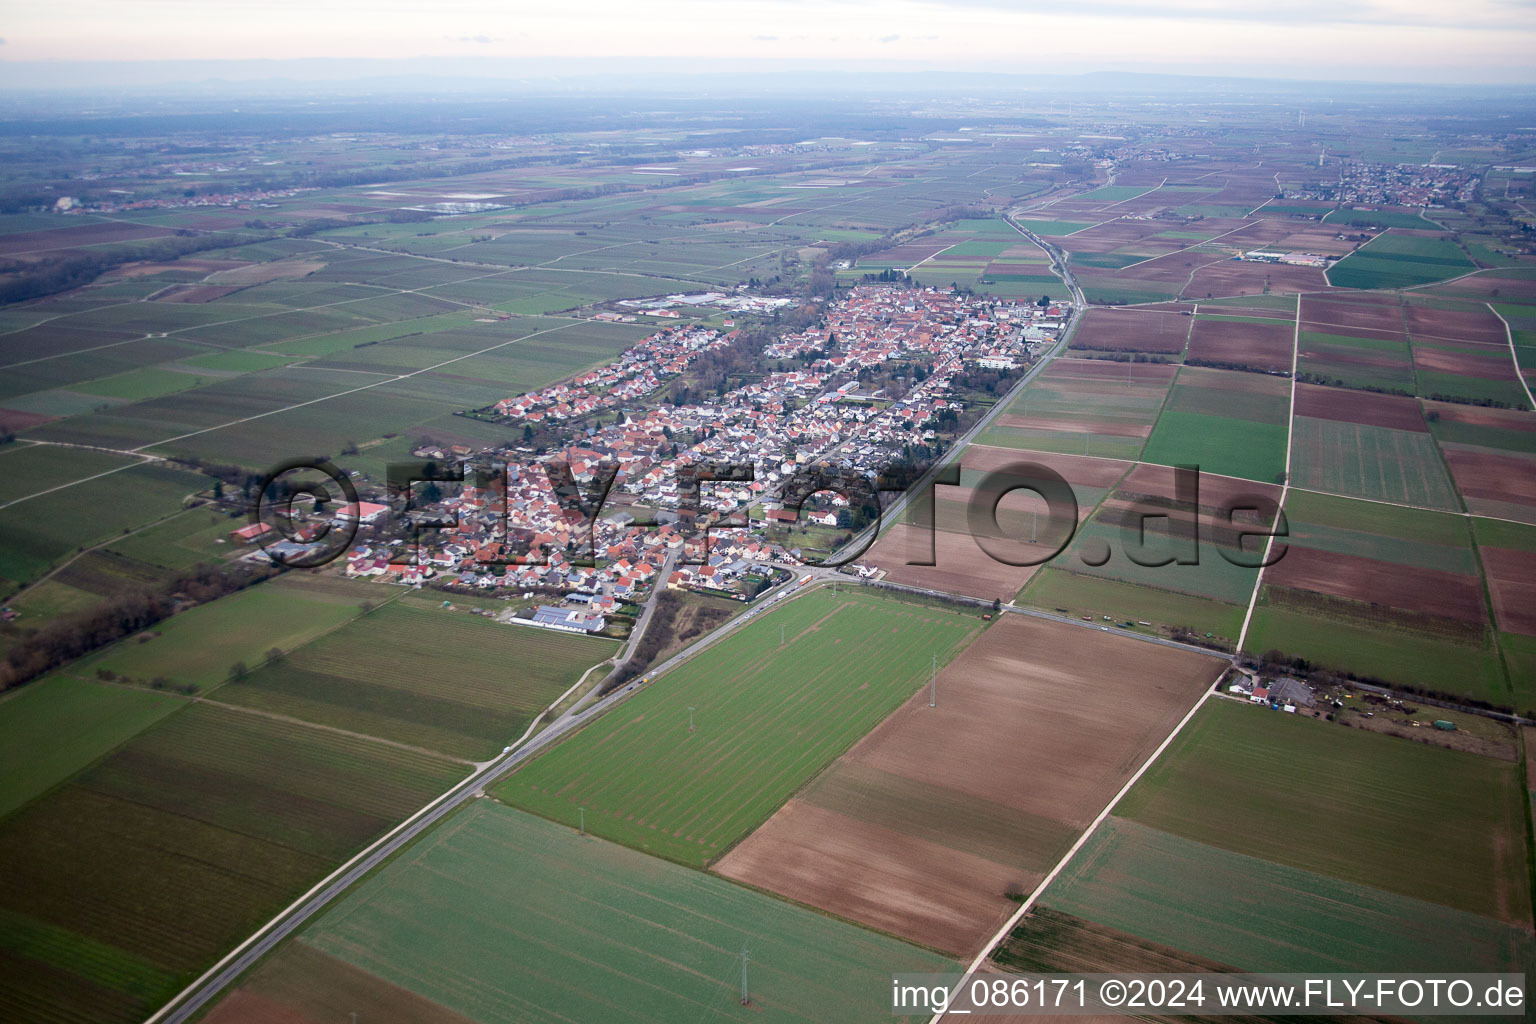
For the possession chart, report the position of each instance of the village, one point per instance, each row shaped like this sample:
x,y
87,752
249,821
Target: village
x,y
877,382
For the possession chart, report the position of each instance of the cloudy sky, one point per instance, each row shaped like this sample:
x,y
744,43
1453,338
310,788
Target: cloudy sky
x,y
1393,40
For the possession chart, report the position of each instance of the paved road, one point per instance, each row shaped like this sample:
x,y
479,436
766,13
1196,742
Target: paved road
x,y
637,631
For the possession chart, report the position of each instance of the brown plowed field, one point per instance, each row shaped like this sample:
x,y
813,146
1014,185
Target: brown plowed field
x,y
1089,371
1477,416
15,419
1132,330
1105,237
1234,277
302,985
1489,367
1489,285
1215,491
190,265
1314,239
960,566
1492,476
1078,470
1427,591
1465,327
1394,411
926,825
27,242
1263,346
1379,317
1271,314
1512,585
1070,425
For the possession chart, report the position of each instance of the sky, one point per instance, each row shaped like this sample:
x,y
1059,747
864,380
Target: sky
x,y
1472,41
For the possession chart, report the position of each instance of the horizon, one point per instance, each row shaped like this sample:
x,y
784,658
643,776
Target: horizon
x,y
1484,42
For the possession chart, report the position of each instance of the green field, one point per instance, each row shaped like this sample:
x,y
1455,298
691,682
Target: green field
x,y
447,681
1257,915
503,917
40,532
1399,261
1053,227
1361,461
1346,803
281,613
1381,219
1218,444
1387,532
1224,422
767,718
1349,636
1214,577
54,727
126,882
27,469
1342,360
137,385
1077,594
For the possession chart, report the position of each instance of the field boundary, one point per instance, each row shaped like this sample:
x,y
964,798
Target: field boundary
x,y
1285,489
1509,336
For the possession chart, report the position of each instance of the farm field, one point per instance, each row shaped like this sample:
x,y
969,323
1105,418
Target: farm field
x,y
1262,345
1368,446
281,613
1065,592
1352,799
1256,915
1504,429
1133,330
1225,422
201,828
1192,869
1377,362
29,469
499,916
1508,551
386,675
40,532
1084,407
927,825
1494,483
767,718
56,726
1399,261
960,565
1395,647
1145,534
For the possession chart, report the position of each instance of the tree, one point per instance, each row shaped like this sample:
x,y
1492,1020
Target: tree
x,y
238,671
1044,300
274,655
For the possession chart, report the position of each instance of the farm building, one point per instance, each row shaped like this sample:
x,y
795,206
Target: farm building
x,y
251,532
365,512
